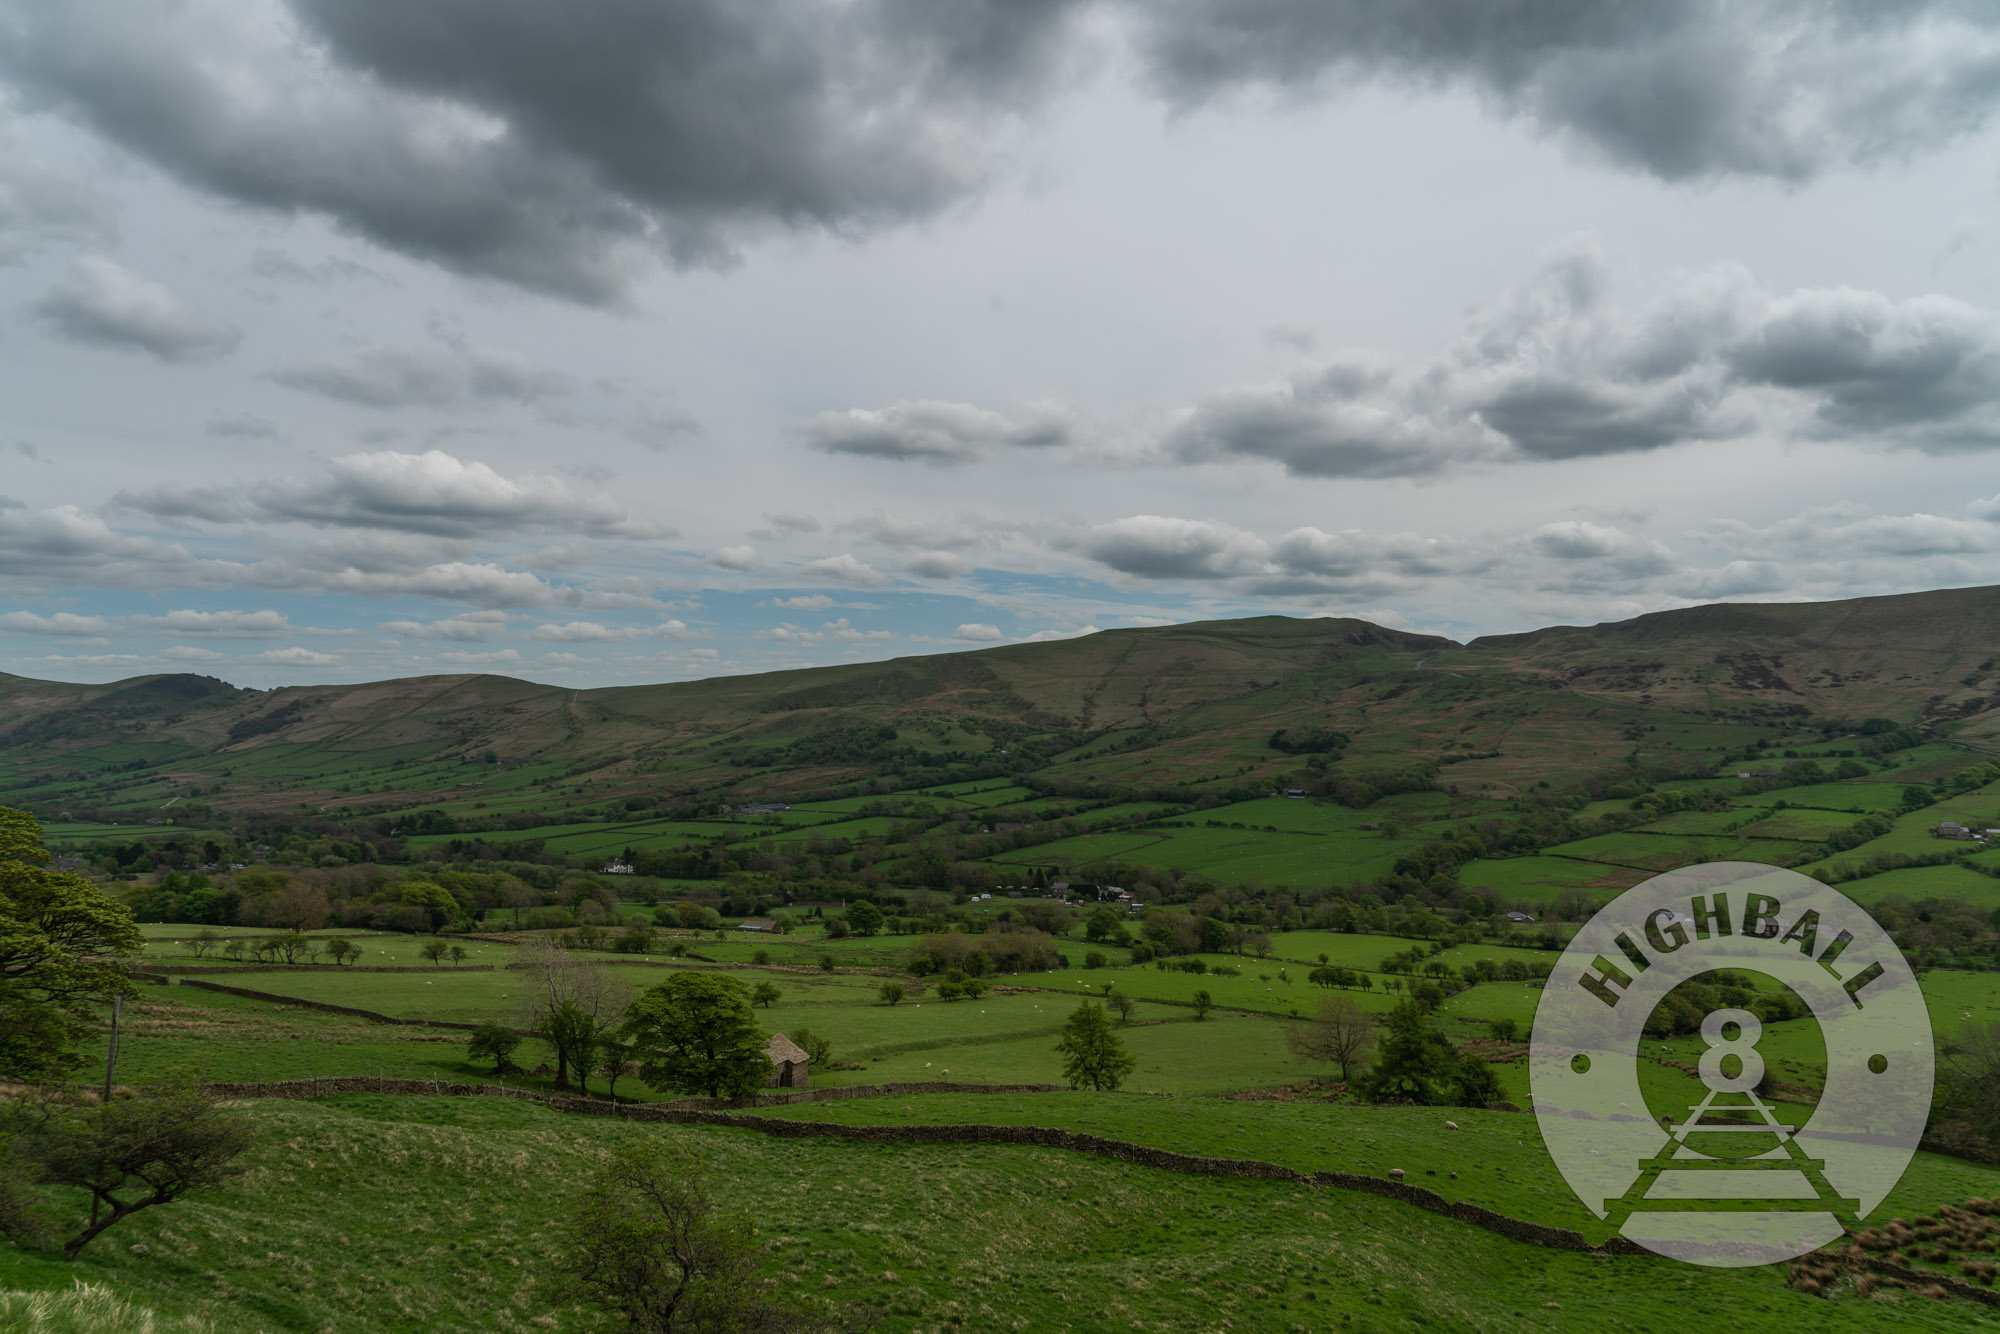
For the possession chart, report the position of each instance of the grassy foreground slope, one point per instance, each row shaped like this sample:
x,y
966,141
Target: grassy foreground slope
x,y
390,1214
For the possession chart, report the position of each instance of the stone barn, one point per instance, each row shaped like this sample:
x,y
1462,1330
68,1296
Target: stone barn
x,y
788,1063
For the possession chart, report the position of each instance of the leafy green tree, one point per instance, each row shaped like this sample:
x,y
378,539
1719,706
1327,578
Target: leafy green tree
x,y
818,1050
1092,1053
696,1033
1101,925
340,950
1203,1003
1419,1065
133,1153
457,952
864,918
234,947
1121,1005
61,943
204,940
433,949
765,994
891,993
493,1042
572,1006
440,908
646,1240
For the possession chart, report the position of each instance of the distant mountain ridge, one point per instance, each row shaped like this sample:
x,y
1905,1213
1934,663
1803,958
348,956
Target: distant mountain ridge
x,y
1187,704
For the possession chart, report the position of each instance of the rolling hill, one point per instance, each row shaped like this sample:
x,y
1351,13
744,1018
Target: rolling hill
x,y
1190,707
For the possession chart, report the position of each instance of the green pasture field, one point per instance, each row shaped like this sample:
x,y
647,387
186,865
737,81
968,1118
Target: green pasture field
x,y
1811,826
870,826
168,944
977,1237
987,798
1925,882
1698,822
1912,832
1952,994
1663,852
1231,854
1862,798
170,1032
1342,949
1258,986
1541,877
61,835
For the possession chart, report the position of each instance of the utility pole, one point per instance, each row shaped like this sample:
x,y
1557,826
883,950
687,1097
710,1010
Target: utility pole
x,y
111,1061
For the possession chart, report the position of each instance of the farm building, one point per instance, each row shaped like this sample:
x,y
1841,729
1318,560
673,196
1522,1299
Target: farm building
x,y
788,1063
756,924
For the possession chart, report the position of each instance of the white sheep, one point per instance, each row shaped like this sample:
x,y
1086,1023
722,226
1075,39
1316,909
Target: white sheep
x,y
1396,1172
1451,1125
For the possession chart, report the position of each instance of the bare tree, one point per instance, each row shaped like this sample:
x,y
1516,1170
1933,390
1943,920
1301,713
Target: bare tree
x,y
1341,1033
572,1004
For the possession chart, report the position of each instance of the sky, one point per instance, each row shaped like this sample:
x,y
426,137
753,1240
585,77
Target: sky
x,y
614,341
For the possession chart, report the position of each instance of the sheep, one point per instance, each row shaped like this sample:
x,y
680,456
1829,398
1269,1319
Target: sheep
x,y
1396,1173
1451,1125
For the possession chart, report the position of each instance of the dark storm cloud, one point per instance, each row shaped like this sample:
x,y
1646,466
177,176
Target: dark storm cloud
x,y
932,432
559,147
1676,88
105,305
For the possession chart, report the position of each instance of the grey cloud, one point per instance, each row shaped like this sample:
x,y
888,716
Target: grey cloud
x,y
220,624
434,495
844,569
793,523
386,377
1554,371
63,624
1600,550
561,148
926,431
107,305
38,207
660,431
471,627
28,451
241,426
1925,370
276,264
939,565
438,494
1153,546
1680,90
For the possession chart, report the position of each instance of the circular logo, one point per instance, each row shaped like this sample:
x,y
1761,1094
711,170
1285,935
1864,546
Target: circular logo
x,y
1725,1160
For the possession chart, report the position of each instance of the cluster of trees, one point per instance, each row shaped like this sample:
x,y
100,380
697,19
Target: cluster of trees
x,y
1006,947
62,946
1413,1062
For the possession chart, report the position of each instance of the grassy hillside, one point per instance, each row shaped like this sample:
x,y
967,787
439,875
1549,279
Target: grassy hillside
x,y
1188,707
377,1214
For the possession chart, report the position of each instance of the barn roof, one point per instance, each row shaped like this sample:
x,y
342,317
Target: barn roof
x,y
782,1049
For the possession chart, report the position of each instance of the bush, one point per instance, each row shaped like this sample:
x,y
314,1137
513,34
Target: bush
x,y
1093,959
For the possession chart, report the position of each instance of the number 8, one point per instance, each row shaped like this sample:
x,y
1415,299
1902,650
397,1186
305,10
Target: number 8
x,y
1750,1061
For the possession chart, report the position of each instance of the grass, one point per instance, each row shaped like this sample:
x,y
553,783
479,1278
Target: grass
x,y
457,1198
